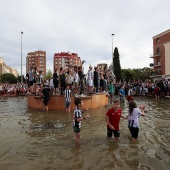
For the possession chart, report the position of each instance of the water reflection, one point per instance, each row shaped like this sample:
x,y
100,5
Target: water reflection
x,y
24,147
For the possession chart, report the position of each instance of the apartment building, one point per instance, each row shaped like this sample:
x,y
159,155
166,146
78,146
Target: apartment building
x,y
36,59
161,56
66,60
7,69
109,73
102,66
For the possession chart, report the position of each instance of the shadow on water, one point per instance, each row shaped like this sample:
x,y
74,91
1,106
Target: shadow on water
x,y
24,146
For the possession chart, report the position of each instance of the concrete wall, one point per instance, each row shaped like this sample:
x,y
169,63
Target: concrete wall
x,y
58,102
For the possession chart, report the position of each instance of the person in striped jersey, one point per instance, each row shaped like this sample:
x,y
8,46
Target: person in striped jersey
x,y
78,117
67,94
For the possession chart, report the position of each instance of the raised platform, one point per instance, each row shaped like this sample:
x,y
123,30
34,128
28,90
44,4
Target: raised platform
x,y
57,102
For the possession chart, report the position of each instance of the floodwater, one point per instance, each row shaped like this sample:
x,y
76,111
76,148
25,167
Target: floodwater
x,y
24,147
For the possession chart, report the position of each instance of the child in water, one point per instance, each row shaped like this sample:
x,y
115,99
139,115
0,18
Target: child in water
x,y
78,117
133,119
112,118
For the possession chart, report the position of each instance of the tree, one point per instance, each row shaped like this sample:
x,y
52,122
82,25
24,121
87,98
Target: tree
x,y
117,67
127,74
48,75
19,79
8,78
136,74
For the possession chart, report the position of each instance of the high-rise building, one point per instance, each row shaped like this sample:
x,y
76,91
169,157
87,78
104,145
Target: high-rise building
x,y
36,59
66,60
7,69
161,56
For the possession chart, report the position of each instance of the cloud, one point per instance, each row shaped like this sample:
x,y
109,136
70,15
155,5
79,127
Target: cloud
x,y
83,27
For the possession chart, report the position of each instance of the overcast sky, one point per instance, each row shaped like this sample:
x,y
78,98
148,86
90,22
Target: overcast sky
x,y
83,27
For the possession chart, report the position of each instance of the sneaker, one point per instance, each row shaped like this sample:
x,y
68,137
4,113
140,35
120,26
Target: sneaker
x,y
82,95
97,93
29,93
76,95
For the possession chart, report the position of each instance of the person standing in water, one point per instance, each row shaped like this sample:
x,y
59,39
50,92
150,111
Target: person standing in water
x,y
78,117
67,95
46,96
112,118
133,119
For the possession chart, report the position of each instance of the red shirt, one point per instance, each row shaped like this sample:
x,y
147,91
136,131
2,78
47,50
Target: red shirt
x,y
156,90
114,117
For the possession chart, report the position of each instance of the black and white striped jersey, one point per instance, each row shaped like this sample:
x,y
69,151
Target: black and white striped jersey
x,y
77,114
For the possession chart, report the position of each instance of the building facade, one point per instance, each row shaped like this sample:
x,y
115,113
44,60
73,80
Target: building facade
x,y
66,60
102,66
36,59
161,56
109,72
7,69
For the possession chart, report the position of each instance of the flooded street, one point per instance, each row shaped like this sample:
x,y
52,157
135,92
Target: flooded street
x,y
24,147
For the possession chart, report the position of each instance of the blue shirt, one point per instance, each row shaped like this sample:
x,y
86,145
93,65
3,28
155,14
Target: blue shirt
x,y
122,91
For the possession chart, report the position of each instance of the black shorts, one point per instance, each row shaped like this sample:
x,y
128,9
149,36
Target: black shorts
x,y
76,129
134,132
95,83
110,132
45,101
67,104
55,82
101,82
31,83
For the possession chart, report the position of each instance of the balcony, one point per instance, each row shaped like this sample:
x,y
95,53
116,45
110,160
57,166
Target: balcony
x,y
158,64
156,55
155,73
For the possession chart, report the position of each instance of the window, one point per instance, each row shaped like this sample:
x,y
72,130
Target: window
x,y
157,40
157,51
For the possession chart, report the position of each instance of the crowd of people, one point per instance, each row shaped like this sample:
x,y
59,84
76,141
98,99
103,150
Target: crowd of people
x,y
13,89
157,89
95,81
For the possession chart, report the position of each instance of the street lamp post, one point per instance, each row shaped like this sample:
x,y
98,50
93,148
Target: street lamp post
x,y
21,58
112,51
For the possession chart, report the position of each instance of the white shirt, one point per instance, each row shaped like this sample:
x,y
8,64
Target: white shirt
x,y
51,83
